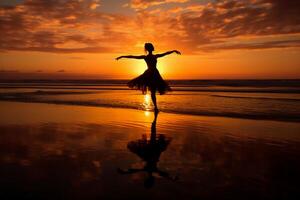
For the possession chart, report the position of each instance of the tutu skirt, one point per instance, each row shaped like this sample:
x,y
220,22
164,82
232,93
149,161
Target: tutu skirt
x,y
150,80
149,150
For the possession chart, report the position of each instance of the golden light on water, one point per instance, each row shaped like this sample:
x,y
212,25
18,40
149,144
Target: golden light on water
x,y
147,113
147,104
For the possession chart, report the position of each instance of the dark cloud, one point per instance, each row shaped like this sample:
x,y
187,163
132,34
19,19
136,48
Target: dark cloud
x,y
253,45
38,25
62,50
228,19
143,4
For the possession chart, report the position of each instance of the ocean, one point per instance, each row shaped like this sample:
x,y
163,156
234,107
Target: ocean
x,y
87,139
249,99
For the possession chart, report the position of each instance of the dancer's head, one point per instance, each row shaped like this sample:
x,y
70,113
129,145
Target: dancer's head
x,y
149,47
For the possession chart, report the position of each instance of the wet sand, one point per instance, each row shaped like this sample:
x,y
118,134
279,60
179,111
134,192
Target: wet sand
x,y
74,152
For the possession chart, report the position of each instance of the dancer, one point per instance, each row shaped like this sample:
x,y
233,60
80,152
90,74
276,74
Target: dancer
x,y
151,79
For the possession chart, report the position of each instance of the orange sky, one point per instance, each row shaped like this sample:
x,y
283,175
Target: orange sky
x,y
218,39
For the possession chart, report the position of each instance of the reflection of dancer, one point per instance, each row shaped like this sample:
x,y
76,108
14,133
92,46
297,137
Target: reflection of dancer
x,y
151,79
149,151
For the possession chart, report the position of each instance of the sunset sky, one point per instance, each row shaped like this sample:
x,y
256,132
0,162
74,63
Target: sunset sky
x,y
218,39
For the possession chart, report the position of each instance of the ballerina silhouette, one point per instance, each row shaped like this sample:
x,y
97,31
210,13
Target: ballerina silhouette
x,y
151,79
149,151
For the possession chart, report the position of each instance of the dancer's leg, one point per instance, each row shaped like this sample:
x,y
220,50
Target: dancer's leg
x,y
153,97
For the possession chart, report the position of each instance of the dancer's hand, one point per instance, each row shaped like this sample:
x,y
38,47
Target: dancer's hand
x,y
177,52
118,58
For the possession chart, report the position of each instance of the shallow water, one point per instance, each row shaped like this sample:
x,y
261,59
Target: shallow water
x,y
73,152
275,103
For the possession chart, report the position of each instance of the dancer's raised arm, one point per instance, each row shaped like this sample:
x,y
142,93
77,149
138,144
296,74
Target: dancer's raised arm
x,y
167,53
129,56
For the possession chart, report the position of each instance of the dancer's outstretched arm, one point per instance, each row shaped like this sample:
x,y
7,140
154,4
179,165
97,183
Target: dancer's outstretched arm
x,y
167,176
129,56
167,53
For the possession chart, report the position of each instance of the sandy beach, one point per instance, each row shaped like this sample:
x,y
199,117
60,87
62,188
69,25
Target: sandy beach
x,y
52,151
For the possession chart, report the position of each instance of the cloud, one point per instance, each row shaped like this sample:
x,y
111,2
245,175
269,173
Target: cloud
x,y
38,25
229,19
252,45
77,26
94,5
226,20
143,4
